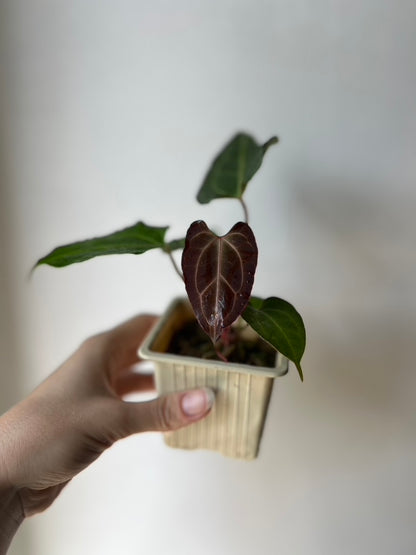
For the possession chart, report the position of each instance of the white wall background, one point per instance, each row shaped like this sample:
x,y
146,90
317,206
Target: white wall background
x,y
110,113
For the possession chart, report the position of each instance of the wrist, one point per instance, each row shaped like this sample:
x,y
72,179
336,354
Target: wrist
x,y
11,509
11,516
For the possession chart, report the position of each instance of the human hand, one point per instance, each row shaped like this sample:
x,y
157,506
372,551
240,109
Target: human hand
x,y
78,412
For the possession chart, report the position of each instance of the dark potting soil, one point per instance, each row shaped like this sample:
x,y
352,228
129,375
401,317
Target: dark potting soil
x,y
192,341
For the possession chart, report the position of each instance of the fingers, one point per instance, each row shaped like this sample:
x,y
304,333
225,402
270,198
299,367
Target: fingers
x,y
36,501
167,413
124,340
132,382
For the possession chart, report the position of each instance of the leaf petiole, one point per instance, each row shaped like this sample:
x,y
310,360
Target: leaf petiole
x,y
220,355
245,209
175,266
168,250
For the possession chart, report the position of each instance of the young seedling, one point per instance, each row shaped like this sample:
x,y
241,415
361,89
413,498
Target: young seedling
x,y
218,271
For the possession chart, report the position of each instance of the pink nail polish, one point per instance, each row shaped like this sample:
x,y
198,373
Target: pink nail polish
x,y
197,401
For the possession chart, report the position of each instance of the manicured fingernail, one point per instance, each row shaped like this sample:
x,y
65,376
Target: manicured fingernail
x,y
197,401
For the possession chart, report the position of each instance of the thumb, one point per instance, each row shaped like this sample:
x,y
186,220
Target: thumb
x,y
168,412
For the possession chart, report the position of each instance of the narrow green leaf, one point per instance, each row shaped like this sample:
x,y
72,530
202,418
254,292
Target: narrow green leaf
x,y
233,168
175,245
136,239
279,323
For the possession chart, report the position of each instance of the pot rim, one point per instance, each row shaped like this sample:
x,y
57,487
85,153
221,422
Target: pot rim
x,y
145,352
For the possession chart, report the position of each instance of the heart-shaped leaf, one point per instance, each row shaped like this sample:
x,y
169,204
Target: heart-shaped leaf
x,y
136,239
233,168
218,274
279,323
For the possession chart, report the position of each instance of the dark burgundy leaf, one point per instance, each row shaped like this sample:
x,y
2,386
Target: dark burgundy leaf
x,y
219,274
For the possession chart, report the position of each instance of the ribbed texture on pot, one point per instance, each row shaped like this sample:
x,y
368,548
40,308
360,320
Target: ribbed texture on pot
x,y
236,421
235,424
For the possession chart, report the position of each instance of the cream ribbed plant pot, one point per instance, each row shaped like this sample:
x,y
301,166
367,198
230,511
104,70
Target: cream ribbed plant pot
x,y
235,424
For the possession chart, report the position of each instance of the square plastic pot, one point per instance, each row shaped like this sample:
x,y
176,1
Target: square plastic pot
x,y
235,425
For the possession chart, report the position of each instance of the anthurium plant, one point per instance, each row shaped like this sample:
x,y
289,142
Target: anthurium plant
x,y
218,271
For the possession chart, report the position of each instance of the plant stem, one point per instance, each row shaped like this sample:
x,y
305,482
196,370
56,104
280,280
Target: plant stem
x,y
175,266
220,355
245,209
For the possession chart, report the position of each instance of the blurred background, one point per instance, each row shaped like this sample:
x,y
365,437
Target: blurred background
x,y
110,113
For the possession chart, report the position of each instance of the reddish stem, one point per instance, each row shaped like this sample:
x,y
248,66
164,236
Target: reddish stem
x,y
221,356
226,336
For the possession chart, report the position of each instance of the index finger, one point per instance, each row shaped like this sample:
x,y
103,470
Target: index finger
x,y
124,340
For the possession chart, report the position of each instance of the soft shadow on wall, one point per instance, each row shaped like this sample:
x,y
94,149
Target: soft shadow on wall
x,y
9,378
11,386
355,251
10,372
338,451
347,432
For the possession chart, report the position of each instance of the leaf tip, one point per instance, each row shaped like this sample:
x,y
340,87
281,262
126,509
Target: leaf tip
x,y
201,198
299,368
272,141
36,265
31,272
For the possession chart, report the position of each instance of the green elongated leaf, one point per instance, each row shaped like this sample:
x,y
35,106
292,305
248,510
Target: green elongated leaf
x,y
233,168
175,245
279,323
136,239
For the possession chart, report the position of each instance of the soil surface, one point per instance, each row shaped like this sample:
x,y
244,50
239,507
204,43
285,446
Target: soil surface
x,y
192,341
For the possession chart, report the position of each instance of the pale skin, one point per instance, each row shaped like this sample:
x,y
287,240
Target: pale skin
x,y
77,413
